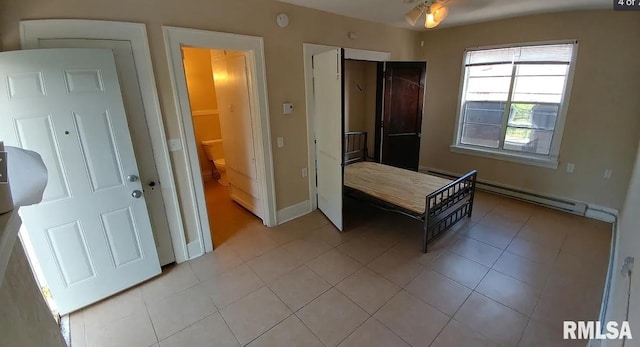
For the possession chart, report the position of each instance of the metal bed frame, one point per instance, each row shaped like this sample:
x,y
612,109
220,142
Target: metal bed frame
x,y
443,208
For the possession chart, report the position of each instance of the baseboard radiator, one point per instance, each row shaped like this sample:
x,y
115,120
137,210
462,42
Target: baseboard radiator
x,y
574,207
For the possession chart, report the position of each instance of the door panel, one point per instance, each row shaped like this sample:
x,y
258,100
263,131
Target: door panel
x,y
70,250
231,79
402,118
40,139
121,234
95,137
91,237
329,122
136,117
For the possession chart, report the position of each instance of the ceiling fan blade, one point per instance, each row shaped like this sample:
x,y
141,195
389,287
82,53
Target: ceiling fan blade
x,y
412,16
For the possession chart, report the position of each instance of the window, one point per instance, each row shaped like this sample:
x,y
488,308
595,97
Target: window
x,y
512,104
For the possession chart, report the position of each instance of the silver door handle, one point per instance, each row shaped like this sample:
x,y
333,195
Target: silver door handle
x,y
136,194
132,178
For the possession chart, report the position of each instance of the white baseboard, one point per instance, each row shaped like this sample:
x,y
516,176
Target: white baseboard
x,y
592,211
602,213
294,211
194,249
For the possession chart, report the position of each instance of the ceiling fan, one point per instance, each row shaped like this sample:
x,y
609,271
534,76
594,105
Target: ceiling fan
x,y
434,10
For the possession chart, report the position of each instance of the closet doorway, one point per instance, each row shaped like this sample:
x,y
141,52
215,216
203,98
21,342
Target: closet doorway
x,y
385,100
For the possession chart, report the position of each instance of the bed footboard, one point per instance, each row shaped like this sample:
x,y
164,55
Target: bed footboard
x,y
448,205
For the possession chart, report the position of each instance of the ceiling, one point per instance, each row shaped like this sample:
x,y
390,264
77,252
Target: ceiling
x,y
460,11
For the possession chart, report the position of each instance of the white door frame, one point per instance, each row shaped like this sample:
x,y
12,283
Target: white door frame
x,y
309,49
33,30
175,38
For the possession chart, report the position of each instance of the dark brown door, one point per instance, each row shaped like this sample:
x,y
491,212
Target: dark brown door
x,y
402,116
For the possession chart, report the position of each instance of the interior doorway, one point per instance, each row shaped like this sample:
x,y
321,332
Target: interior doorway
x,y
251,182
220,99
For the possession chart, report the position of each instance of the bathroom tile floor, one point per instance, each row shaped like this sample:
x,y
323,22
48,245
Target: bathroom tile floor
x,y
508,276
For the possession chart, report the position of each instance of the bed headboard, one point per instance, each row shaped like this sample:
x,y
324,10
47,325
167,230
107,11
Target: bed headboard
x,y
355,147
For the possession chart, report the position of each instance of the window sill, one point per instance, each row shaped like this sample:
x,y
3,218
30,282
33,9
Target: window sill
x,y
550,163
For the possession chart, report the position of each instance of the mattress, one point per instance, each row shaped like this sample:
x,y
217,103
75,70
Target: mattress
x,y
400,187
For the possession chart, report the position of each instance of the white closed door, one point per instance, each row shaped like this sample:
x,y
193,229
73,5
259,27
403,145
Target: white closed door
x,y
233,90
136,117
328,112
91,233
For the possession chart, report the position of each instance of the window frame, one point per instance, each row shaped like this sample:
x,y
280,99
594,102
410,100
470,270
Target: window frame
x,y
548,161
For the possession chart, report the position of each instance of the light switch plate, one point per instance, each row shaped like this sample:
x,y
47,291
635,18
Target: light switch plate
x,y
174,145
280,142
570,167
287,108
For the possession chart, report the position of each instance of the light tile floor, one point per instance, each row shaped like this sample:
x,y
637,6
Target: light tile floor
x,y
506,277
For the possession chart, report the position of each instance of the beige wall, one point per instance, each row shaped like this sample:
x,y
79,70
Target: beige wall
x,y
354,101
627,245
197,68
603,123
284,61
370,79
360,97
202,99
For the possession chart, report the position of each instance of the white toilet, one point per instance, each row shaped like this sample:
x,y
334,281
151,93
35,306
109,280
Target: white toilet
x,y
214,151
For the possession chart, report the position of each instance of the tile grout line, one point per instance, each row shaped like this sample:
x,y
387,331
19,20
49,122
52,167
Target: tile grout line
x,y
150,320
275,325
334,286
230,330
388,328
474,289
190,325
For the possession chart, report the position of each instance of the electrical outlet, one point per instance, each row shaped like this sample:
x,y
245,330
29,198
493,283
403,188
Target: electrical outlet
x,y
627,266
304,172
570,167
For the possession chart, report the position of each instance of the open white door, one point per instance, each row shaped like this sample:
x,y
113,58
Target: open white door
x,y
91,233
231,79
136,113
328,110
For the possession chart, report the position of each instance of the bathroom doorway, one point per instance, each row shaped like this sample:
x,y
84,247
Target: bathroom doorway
x,y
219,88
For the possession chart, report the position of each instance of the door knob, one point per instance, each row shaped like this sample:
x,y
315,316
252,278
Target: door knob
x,y
132,178
136,194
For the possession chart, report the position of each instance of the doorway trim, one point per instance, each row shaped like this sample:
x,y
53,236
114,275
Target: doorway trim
x,y
309,50
33,30
175,38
